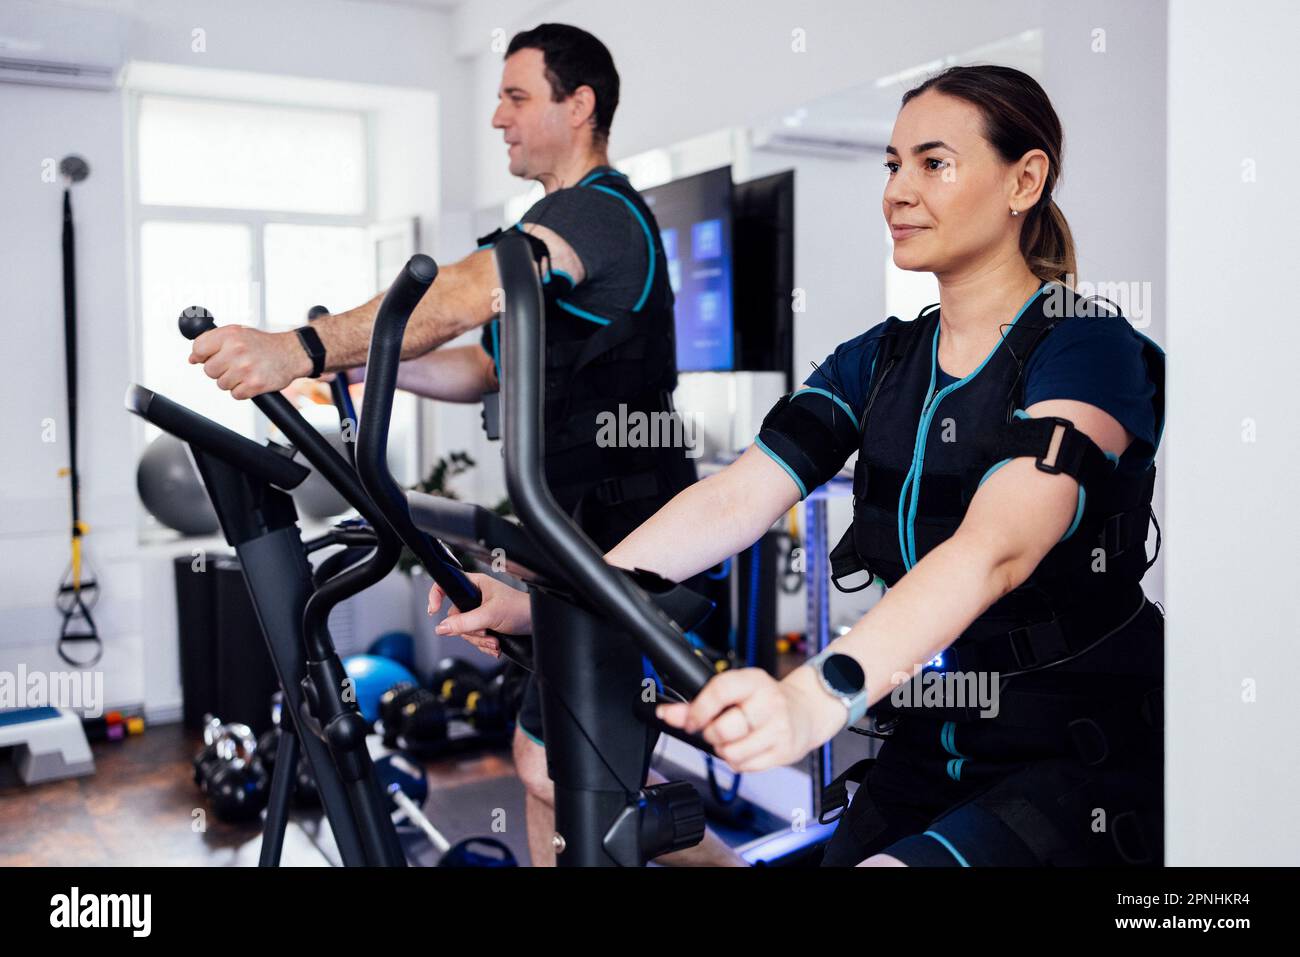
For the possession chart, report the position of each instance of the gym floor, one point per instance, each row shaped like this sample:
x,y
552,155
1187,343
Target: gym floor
x,y
138,809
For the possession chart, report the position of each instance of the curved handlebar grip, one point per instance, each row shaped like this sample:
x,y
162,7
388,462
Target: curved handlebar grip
x,y
372,438
372,446
194,321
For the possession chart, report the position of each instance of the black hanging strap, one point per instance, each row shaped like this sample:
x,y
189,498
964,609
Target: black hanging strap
x,y
76,595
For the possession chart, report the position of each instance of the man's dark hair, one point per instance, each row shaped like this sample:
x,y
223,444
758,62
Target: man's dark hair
x,y
574,58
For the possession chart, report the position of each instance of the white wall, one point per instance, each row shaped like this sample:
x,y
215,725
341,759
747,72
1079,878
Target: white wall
x,y
693,67
1112,105
44,124
1234,610
334,40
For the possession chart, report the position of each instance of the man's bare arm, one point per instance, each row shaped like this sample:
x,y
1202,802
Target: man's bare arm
x,y
463,297
248,362
460,299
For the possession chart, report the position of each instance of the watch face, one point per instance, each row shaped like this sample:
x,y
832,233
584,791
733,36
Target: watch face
x,y
844,674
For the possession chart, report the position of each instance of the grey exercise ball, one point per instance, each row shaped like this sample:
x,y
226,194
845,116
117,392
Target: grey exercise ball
x,y
171,490
316,497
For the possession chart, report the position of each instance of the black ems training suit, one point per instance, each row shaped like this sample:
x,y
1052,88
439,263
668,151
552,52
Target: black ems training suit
x,y
594,364
1069,771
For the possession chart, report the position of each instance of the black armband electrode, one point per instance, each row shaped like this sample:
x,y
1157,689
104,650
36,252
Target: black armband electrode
x,y
812,437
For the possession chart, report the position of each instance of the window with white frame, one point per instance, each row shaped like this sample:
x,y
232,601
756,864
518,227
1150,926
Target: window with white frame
x,y
257,212
254,211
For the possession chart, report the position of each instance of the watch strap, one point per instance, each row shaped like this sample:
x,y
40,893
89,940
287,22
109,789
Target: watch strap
x,y
315,349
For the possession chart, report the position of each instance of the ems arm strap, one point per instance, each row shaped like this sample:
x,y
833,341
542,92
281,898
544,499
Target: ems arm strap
x,y
812,436
540,250
1078,456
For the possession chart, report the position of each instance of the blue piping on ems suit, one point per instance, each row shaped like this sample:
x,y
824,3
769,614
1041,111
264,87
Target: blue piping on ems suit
x,y
912,482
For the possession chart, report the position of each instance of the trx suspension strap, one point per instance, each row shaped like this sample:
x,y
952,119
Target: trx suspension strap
x,y
76,595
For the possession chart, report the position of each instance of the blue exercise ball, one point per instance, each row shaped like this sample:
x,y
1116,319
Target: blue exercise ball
x,y
397,645
371,676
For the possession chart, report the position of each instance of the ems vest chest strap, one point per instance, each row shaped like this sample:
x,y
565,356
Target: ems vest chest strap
x,y
575,428
628,488
575,355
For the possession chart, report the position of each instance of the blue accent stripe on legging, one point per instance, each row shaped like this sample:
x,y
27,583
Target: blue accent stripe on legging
x,y
948,844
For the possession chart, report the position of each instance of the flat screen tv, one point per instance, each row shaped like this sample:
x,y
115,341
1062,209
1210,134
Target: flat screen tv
x,y
694,216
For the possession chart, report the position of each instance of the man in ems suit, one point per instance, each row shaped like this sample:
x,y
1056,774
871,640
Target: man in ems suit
x,y
609,328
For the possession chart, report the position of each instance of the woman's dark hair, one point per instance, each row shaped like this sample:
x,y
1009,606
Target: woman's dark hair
x,y
1018,117
574,58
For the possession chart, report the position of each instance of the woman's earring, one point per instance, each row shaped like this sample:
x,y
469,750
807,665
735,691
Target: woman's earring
x,y
1015,212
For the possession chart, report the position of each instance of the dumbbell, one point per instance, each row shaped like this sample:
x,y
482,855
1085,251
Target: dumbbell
x,y
488,701
454,680
402,779
414,718
229,771
485,708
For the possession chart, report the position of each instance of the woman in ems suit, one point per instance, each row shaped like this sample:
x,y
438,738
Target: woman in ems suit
x,y
1005,445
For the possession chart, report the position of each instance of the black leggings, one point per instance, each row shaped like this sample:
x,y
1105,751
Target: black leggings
x,y
994,792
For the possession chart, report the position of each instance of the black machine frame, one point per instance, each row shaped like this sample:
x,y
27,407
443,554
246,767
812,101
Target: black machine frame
x,y
592,623
249,487
595,623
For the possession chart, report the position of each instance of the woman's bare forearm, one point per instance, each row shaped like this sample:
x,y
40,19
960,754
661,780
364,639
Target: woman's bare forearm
x,y
923,613
711,520
458,374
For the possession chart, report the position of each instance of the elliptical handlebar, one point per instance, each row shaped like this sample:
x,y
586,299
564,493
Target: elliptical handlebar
x,y
193,322
523,380
376,412
372,445
259,461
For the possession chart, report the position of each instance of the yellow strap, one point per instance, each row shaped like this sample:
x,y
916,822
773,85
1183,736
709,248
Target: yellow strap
x,y
82,529
76,564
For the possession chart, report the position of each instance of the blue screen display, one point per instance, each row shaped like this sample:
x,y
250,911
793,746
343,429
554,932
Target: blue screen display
x,y
694,216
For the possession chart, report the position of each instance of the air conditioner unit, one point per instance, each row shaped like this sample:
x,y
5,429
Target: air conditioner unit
x,y
829,146
59,46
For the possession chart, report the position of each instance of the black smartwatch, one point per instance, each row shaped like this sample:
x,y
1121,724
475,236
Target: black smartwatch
x,y
844,678
314,348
